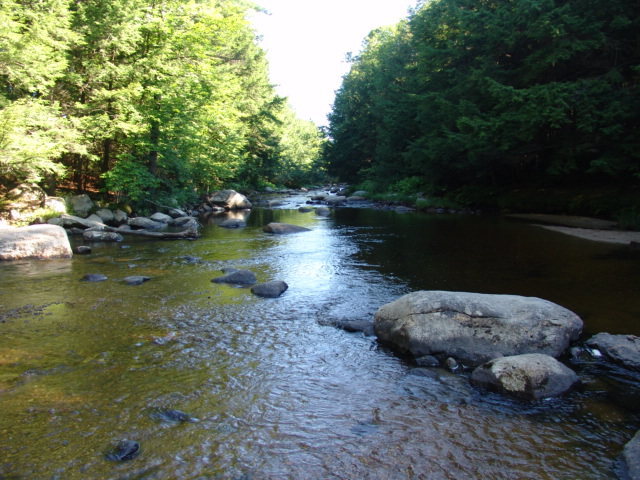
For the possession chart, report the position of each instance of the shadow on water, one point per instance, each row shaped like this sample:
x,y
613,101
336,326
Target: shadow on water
x,y
277,394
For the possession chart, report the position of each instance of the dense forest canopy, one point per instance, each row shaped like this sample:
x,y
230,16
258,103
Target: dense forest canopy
x,y
142,98
484,94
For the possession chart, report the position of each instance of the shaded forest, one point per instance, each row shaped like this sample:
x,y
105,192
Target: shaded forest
x,y
478,100
144,99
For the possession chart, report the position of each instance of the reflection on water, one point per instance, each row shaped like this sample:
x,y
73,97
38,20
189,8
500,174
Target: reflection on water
x,y
84,365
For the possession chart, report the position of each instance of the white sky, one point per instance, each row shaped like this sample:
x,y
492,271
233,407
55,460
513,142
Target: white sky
x,y
307,40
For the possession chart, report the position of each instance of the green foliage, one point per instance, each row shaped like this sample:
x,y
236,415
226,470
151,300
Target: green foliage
x,y
131,181
162,98
32,136
467,93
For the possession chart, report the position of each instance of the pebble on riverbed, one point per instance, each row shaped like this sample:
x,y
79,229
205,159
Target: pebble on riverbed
x,y
125,450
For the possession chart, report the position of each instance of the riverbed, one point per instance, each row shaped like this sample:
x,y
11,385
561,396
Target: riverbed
x,y
278,394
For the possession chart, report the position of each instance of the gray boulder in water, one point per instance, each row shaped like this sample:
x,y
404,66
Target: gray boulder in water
x,y
530,376
271,289
621,349
237,277
473,327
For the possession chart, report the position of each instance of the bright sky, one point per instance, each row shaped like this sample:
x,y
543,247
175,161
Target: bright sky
x,y
307,40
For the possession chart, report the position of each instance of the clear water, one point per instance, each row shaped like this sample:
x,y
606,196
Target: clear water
x,y
279,395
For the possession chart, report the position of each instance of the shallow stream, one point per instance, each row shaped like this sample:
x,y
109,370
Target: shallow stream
x,y
280,395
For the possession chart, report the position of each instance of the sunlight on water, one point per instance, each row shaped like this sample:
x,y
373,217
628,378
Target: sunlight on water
x,y
278,394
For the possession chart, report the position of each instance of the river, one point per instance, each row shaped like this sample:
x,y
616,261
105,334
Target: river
x,y
280,395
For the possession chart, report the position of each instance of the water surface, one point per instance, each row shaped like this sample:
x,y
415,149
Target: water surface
x,y
278,394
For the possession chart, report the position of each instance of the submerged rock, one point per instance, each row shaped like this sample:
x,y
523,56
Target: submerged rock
x,y
136,279
621,349
283,228
353,325
237,277
34,241
125,450
172,415
475,328
94,277
232,223
271,289
531,376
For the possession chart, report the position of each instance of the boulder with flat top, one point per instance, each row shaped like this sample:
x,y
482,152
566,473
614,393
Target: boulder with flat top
x,y
473,327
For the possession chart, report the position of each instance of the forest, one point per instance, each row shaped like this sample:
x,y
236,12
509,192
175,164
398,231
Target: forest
x,y
518,103
142,99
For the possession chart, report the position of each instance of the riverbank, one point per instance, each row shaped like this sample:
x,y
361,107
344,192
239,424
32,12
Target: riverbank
x,y
587,228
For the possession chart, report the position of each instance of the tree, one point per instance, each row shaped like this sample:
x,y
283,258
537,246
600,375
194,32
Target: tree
x,y
33,133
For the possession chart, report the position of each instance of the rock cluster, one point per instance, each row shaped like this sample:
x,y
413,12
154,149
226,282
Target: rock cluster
x,y
512,340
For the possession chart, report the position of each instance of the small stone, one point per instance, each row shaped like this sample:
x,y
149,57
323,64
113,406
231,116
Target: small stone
x,y
82,250
452,364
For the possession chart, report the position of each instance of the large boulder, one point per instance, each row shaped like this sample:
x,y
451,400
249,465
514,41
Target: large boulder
x,y
474,327
631,457
530,376
283,228
228,199
621,349
34,241
81,205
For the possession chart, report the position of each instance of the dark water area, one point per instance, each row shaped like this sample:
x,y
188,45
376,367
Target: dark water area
x,y
277,393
